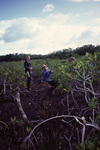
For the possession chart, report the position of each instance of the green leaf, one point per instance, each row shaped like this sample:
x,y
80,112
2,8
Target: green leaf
x,y
90,145
80,147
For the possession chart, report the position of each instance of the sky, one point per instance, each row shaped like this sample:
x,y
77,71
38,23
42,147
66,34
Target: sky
x,y
46,26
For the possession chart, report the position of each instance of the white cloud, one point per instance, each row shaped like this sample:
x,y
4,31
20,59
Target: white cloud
x,y
42,36
48,8
19,29
85,35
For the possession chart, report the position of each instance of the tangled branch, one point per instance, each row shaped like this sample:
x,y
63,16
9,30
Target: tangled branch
x,y
81,121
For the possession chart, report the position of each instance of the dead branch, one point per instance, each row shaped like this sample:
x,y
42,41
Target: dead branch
x,y
4,85
69,141
83,134
68,102
78,135
81,121
20,107
76,104
1,122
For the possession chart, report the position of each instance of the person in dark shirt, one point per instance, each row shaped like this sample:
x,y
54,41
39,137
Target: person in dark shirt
x,y
71,58
28,69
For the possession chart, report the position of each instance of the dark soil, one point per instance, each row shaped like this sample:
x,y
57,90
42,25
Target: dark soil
x,y
39,104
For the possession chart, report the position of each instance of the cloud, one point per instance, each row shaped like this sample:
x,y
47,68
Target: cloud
x,y
48,8
85,35
45,35
16,32
20,29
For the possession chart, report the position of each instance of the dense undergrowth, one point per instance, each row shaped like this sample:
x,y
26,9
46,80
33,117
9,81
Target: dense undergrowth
x,y
67,118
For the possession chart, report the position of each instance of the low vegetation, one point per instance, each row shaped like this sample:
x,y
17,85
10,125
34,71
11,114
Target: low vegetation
x,y
67,118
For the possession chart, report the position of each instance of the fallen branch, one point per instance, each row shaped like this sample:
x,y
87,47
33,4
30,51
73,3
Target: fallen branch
x,y
20,107
81,121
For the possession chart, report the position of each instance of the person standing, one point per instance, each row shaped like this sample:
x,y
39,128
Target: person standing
x,y
28,69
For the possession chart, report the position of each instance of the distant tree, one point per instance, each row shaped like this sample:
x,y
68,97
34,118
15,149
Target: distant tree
x,y
84,49
60,54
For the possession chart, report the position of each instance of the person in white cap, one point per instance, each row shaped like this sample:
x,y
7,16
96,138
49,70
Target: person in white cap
x,y
50,84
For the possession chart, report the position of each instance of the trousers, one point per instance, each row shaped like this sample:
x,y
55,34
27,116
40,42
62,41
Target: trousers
x,y
28,79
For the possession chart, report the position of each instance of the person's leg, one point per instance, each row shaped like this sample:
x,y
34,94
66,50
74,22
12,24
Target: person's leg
x,y
28,79
28,82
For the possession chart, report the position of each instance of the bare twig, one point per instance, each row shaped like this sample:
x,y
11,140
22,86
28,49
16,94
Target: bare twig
x,y
68,103
78,135
1,92
66,122
69,141
4,85
84,83
1,122
83,135
76,104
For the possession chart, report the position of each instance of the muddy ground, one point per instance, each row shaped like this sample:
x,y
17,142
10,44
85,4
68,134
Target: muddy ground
x,y
38,105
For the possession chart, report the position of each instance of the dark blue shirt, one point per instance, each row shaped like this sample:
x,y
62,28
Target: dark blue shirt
x,y
27,65
46,75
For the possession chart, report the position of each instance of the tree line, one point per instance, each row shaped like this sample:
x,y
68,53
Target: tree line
x,y
60,54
